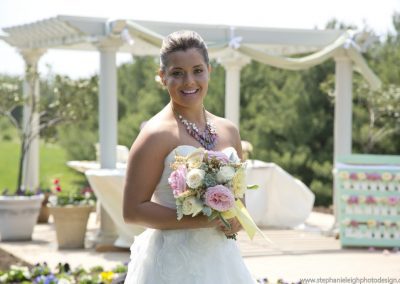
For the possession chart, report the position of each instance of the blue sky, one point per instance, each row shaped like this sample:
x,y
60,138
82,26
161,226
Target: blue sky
x,y
376,14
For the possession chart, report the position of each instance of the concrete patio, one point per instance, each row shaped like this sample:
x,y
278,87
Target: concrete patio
x,y
304,252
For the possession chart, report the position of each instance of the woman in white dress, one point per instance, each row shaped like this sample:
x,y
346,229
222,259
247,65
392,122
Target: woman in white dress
x,y
193,249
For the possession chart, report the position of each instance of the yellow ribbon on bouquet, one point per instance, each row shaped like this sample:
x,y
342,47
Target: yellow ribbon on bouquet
x,y
244,218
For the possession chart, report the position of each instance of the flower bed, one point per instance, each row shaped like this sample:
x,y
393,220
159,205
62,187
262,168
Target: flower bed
x,y
63,274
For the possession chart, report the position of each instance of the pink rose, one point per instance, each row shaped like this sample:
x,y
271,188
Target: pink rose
x,y
219,198
370,200
177,180
373,176
218,155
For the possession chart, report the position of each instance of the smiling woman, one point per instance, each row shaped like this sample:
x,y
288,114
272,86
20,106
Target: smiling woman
x,y
181,126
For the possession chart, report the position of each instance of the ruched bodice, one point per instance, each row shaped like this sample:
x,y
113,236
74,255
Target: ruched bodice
x,y
196,256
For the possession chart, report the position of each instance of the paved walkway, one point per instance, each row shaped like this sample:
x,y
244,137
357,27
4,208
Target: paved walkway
x,y
303,252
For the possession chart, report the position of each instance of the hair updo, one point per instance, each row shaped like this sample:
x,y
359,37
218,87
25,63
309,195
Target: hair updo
x,y
182,41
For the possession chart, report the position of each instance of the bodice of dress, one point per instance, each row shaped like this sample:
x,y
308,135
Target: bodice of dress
x,y
163,193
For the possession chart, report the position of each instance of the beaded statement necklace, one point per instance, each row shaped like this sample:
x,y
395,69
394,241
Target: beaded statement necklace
x,y
207,138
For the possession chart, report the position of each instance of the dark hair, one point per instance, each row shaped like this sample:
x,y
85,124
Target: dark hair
x,y
182,41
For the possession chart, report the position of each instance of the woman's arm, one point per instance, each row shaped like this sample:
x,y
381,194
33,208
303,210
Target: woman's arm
x,y
145,167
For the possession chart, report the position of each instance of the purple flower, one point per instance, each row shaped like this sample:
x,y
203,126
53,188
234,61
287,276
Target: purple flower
x,y
392,200
49,279
352,200
219,198
218,155
177,180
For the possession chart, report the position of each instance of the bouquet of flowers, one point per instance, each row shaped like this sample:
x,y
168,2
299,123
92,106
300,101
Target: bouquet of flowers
x,y
208,182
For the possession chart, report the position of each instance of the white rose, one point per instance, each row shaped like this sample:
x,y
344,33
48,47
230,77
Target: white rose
x,y
191,206
194,178
225,174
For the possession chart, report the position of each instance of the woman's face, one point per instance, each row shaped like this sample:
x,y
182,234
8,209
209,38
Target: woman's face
x,y
186,77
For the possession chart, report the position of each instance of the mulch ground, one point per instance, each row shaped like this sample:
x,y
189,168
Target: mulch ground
x,y
7,259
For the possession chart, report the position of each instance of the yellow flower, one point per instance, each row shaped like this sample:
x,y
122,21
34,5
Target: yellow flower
x,y
344,175
386,176
361,176
179,161
239,183
107,276
371,223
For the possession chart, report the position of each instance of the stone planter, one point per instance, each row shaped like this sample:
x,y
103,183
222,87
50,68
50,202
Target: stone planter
x,y
44,212
70,223
18,216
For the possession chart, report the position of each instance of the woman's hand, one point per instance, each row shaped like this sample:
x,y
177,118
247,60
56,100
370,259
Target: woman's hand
x,y
235,226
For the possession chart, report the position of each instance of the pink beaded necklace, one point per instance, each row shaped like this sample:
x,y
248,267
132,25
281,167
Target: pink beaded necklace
x,y
208,138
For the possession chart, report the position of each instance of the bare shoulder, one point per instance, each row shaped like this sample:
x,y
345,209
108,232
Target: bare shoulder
x,y
226,124
157,136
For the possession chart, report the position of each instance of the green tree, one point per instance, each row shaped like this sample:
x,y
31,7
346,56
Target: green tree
x,y
60,108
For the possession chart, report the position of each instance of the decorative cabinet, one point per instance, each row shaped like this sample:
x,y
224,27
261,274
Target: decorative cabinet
x,y
368,189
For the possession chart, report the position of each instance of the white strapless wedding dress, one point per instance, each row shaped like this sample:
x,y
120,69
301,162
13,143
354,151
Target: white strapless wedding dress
x,y
190,256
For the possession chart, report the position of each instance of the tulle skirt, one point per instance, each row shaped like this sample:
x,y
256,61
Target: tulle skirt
x,y
195,256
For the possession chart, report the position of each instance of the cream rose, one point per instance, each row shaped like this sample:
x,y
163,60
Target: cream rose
x,y
225,174
191,206
194,178
195,159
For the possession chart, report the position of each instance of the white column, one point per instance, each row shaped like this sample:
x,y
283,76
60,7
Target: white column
x,y
343,118
108,106
108,120
343,106
31,119
232,66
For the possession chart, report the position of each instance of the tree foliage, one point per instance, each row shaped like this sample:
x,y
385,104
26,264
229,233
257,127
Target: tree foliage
x,y
61,107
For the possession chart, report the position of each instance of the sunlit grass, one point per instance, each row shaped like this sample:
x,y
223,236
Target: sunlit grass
x,y
52,165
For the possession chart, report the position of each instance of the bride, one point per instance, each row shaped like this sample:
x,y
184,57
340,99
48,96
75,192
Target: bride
x,y
193,249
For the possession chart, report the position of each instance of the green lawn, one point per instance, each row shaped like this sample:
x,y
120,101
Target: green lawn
x,y
52,165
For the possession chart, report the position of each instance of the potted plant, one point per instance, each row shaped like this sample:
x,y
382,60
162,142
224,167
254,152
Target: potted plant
x,y
70,211
18,215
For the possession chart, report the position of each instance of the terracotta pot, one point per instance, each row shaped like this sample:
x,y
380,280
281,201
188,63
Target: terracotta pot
x,y
44,212
70,223
18,216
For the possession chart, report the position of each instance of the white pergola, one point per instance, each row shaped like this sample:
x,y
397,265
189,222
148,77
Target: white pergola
x,y
233,47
